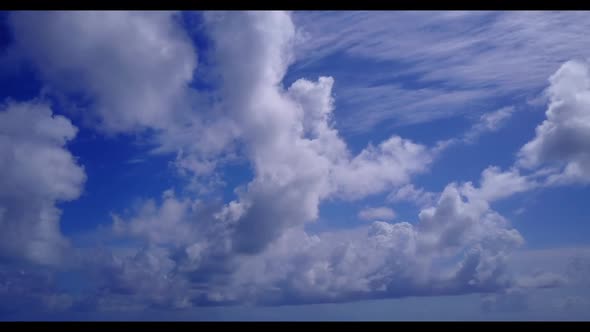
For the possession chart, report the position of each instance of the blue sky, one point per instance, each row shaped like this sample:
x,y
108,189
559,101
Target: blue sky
x,y
294,165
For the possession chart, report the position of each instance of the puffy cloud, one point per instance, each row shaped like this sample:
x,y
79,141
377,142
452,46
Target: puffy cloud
x,y
165,224
297,157
487,123
37,172
385,259
128,72
254,248
459,219
376,213
376,169
496,184
133,67
563,139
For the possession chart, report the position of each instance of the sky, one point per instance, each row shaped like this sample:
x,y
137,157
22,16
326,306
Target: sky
x,y
294,165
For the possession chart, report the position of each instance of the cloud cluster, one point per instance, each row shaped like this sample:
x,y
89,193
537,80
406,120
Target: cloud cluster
x,y
180,251
37,172
127,72
458,246
133,67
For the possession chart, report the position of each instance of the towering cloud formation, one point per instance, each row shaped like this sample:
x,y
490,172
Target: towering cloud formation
x,y
37,172
297,156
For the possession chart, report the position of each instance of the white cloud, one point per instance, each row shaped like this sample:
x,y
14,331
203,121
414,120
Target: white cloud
x,y
37,172
245,251
128,72
297,156
254,248
385,259
458,246
376,213
563,139
135,66
496,184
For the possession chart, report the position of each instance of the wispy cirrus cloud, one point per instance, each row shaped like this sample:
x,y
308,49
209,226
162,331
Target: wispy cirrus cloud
x,y
478,56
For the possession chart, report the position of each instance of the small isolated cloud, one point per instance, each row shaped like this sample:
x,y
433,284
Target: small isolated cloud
x,y
457,246
488,122
376,213
80,52
496,184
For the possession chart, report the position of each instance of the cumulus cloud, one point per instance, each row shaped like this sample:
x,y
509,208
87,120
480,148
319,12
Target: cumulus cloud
x,y
128,72
457,246
297,156
37,172
376,213
255,249
558,154
390,259
135,66
496,184
563,139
